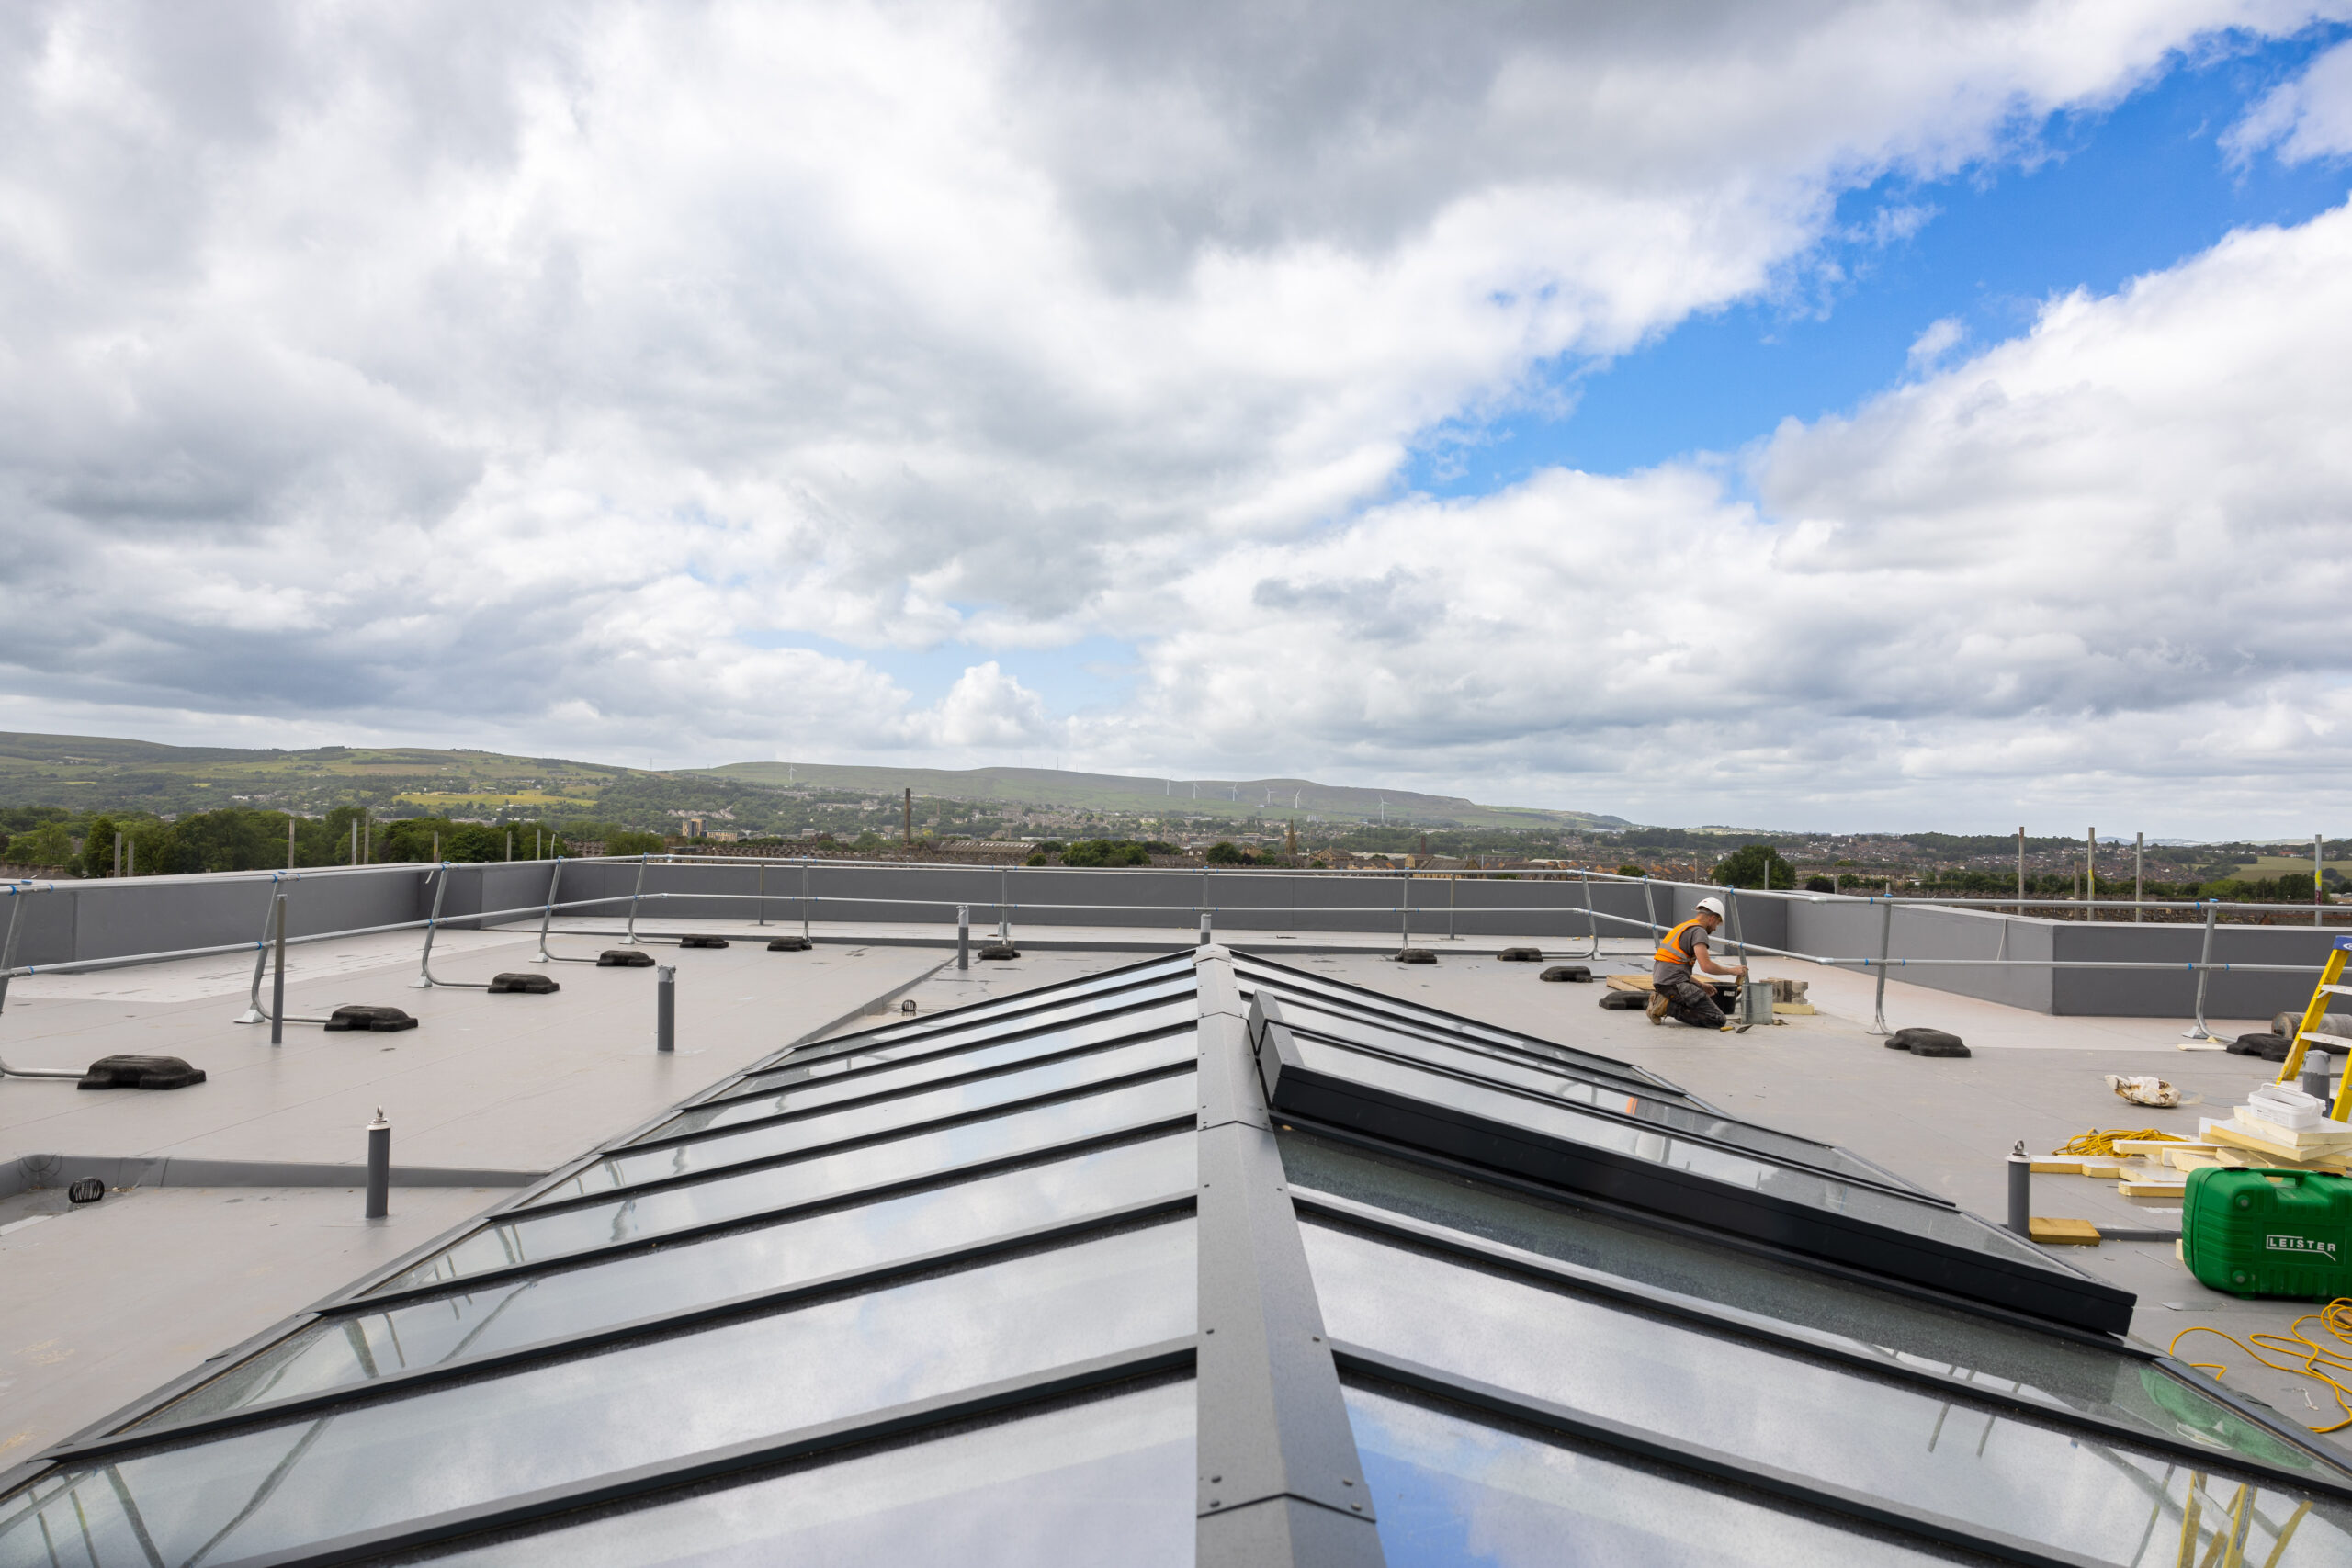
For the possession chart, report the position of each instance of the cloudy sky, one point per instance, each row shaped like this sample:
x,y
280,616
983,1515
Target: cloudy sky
x,y
1781,413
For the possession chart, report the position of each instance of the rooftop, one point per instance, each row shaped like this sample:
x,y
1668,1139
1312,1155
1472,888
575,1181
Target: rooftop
x,y
831,1258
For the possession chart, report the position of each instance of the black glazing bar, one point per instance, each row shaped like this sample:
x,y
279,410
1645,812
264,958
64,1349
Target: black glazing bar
x,y
653,1326
1311,993
820,1151
1880,1249
1706,1236
1711,1464
563,1262
1896,1187
1775,1337
1583,1069
644,1484
1279,1481
2262,1415
886,1093
950,1042
343,1303
1060,994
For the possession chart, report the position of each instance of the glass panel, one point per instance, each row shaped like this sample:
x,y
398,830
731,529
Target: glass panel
x,y
1288,983
2068,1373
769,1096
1873,1205
1992,1470
1071,1000
1449,1490
1102,1485
866,1119
354,1349
1642,1107
522,1237
275,1488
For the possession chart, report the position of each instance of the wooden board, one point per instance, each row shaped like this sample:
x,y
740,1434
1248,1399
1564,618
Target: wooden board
x,y
1802,1010
2305,1145
2228,1133
1630,983
2058,1165
2157,1147
2062,1233
2152,1189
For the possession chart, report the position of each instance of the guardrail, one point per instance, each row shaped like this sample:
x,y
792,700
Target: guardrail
x,y
1580,920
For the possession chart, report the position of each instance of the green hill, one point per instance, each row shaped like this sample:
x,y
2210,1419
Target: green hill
x,y
1156,797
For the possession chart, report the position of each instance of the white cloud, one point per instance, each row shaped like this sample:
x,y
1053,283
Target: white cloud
x,y
1939,339
2308,118
2102,563
525,367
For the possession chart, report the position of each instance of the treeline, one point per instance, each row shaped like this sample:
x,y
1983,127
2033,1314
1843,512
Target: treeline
x,y
236,838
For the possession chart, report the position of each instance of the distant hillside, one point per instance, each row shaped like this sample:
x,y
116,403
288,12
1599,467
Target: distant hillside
x,y
1149,797
85,772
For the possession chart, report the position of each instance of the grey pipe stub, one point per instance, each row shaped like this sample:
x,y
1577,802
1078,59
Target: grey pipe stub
x,y
1520,955
519,983
139,1072
1579,972
624,958
1415,955
702,942
789,944
357,1016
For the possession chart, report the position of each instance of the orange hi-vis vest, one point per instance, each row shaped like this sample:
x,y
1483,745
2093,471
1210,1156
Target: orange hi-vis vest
x,y
1669,952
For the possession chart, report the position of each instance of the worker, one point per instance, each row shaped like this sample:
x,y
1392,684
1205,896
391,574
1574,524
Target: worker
x,y
1673,992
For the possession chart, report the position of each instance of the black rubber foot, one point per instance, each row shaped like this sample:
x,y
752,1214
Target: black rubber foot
x,y
141,1072
624,958
1520,955
999,950
1930,1043
1625,1002
521,983
1415,955
382,1021
1575,972
702,942
788,944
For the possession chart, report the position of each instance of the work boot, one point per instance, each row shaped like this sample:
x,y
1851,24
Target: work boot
x,y
1655,1007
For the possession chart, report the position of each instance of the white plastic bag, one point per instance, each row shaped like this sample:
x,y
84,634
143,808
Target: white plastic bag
x,y
2147,1089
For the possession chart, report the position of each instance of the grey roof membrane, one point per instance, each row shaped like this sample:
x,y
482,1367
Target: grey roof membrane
x,y
948,1288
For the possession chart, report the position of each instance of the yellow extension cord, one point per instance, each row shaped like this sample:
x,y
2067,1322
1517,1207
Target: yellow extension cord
x,y
2335,1317
2099,1141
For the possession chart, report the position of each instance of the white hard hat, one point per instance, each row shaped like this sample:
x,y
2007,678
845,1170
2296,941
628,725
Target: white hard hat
x,y
1712,907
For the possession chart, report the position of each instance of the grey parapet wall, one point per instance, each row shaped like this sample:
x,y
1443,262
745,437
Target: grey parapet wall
x,y
80,921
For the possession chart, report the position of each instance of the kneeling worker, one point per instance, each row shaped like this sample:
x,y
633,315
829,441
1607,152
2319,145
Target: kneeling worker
x,y
1675,994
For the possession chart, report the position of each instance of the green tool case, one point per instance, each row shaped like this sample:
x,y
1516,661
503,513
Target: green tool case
x,y
2269,1233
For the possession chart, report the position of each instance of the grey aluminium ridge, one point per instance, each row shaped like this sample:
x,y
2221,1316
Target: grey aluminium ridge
x,y
1895,1186
793,1156
885,1096
646,1481
653,1326
1822,1496
1730,1322
2036,1289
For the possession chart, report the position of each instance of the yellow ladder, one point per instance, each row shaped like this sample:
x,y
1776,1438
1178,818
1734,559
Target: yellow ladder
x,y
2331,978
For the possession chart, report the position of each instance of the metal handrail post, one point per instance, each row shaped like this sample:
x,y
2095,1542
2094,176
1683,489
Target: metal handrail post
x,y
547,916
634,895
8,962
1004,905
803,902
424,980
1649,902
1453,883
253,1013
2204,967
1405,911
760,893
1885,935
1592,916
278,974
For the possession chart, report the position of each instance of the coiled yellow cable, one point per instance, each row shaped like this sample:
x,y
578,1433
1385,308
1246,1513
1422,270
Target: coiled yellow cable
x,y
2335,1317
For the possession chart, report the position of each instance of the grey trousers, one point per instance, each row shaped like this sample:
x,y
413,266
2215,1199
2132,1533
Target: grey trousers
x,y
1693,1003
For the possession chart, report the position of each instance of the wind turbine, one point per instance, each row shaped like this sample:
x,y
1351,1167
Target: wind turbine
x,y
1383,811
